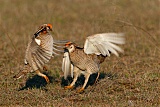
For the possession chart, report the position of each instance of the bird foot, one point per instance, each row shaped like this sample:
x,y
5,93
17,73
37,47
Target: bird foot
x,y
80,90
68,87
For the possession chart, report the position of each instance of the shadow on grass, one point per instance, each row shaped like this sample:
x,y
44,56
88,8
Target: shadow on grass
x,y
91,81
36,82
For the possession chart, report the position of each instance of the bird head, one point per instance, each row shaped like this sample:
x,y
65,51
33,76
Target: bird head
x,y
70,47
43,29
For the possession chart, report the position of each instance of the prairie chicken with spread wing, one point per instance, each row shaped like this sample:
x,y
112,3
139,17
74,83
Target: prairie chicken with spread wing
x,y
39,51
87,60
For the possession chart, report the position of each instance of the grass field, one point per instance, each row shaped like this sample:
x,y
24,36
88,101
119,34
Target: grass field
x,y
133,79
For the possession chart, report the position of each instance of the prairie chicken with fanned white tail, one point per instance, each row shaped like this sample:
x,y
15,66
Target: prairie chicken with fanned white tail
x,y
87,60
39,51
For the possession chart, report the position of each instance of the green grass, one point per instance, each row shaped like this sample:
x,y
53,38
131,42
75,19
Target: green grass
x,y
130,80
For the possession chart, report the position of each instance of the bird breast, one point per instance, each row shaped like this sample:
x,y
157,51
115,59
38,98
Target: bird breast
x,y
83,61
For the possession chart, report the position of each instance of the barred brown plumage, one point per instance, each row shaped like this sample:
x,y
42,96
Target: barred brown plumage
x,y
39,51
87,60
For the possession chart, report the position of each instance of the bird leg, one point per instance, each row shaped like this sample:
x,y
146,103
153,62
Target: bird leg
x,y
68,87
73,82
42,75
87,75
76,74
97,77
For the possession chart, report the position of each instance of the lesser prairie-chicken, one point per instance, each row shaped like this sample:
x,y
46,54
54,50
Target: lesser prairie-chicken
x,y
39,51
87,60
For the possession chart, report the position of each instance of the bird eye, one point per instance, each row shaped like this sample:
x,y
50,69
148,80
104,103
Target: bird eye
x,y
71,46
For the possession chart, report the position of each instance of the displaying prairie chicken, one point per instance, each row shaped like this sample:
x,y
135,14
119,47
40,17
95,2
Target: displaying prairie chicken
x,y
39,51
87,60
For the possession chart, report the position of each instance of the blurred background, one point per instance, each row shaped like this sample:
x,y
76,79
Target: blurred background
x,y
135,73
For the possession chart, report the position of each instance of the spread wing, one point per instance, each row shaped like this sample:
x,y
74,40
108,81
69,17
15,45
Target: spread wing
x,y
67,67
39,52
104,44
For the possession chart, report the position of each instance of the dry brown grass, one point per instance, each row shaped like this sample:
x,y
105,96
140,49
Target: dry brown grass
x,y
130,80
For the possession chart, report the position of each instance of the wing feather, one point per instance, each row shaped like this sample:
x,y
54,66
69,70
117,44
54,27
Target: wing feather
x,y
38,65
115,47
104,44
90,48
112,50
101,49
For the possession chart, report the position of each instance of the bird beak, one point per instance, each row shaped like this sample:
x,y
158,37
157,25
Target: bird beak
x,y
65,50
